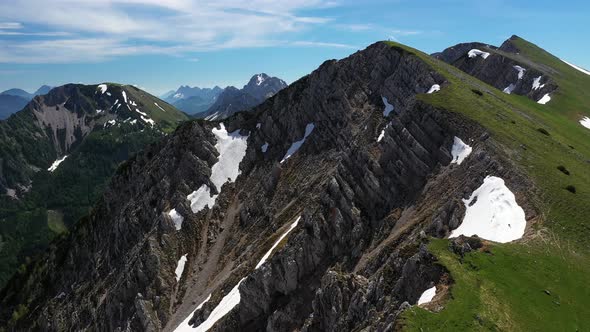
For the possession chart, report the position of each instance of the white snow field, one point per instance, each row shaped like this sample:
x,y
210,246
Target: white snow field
x,y
158,106
184,326
520,71
585,122
177,218
264,147
577,68
427,296
232,149
545,99
232,298
180,267
459,151
434,88
56,163
296,145
537,83
388,107
509,88
492,213
475,52
103,88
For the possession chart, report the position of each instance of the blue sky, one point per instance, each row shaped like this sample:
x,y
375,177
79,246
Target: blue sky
x,y
161,44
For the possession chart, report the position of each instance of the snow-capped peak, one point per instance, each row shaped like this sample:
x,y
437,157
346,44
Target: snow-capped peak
x,y
103,88
259,79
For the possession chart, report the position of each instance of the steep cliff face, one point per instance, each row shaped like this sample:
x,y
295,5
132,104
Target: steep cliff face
x,y
501,67
349,156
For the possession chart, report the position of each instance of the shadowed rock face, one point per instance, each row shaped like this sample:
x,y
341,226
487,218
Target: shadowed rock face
x,y
354,261
499,69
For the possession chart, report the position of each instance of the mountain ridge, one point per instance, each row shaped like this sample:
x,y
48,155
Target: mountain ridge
x,y
259,88
359,156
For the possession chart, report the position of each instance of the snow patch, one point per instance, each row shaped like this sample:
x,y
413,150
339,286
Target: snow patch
x,y
459,151
201,198
264,147
180,267
148,121
475,52
537,83
184,326
585,122
258,125
296,145
520,71
545,99
577,68
434,88
103,88
158,106
177,218
509,88
382,133
232,299
388,106
492,213
232,149
269,252
427,296
259,79
124,96
56,163
99,111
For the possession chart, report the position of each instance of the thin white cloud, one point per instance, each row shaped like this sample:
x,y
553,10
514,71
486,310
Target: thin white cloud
x,y
402,33
41,34
10,25
129,27
320,44
355,27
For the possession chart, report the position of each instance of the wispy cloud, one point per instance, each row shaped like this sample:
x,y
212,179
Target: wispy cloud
x,y
320,44
95,30
10,25
402,33
355,27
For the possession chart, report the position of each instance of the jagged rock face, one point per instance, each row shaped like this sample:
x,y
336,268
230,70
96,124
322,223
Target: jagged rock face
x,y
233,100
355,259
499,70
261,86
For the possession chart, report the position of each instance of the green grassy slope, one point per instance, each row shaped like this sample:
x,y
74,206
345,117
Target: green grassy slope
x,y
514,121
518,287
57,200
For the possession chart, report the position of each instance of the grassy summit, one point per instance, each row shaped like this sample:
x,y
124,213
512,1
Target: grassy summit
x,y
501,290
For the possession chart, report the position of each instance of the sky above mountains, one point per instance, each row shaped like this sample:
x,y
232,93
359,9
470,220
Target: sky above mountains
x,y
161,44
